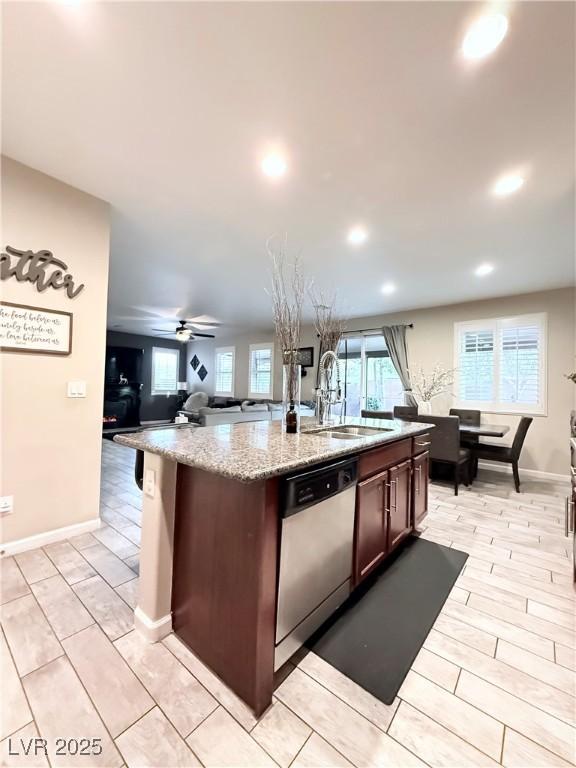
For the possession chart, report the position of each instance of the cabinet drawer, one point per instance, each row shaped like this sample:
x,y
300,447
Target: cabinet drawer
x,y
421,443
380,458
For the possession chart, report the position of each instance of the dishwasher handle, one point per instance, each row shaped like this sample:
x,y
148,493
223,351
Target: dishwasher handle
x,y
298,492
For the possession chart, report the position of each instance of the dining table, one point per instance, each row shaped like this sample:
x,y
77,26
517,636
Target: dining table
x,y
484,430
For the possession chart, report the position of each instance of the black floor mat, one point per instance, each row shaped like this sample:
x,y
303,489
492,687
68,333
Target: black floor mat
x,y
376,635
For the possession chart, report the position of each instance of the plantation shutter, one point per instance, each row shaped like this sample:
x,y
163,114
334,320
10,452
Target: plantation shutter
x,y
224,374
520,364
261,371
164,370
476,365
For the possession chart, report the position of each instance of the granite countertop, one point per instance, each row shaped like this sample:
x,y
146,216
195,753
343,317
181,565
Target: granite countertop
x,y
256,450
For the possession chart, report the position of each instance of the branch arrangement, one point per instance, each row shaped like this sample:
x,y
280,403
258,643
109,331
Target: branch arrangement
x,y
329,326
427,386
287,292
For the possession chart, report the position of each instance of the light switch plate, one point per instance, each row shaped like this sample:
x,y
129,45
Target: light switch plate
x,y
150,483
6,505
76,389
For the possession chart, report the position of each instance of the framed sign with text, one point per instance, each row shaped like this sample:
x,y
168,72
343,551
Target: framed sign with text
x,y
34,329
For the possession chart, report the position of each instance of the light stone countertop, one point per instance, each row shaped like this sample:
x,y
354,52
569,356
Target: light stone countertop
x,y
256,450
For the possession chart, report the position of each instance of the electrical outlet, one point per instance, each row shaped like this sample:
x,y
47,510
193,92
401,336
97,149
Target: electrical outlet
x,y
150,483
6,505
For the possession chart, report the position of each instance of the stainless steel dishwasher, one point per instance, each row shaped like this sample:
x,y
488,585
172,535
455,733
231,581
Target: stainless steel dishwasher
x,y
317,531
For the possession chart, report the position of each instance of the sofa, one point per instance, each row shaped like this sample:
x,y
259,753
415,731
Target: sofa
x,y
208,411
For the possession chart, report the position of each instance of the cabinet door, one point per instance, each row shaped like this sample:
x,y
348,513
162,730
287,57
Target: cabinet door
x,y
420,488
399,502
371,529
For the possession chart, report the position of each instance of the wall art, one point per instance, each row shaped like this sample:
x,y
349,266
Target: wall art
x,y
34,329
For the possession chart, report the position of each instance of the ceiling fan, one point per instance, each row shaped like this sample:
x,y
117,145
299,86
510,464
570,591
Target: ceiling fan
x,y
184,333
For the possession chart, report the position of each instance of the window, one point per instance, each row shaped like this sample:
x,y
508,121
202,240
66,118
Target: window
x,y
501,364
369,378
165,365
224,371
260,370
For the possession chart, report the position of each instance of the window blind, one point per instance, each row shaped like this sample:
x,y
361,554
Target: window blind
x,y
165,363
520,349
261,371
476,365
224,371
501,364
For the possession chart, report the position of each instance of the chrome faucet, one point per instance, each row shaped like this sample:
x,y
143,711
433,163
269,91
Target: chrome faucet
x,y
326,394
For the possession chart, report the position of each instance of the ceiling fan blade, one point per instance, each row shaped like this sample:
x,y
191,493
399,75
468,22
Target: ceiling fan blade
x,y
159,330
204,335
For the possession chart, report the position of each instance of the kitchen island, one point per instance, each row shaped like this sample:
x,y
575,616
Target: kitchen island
x,y
226,560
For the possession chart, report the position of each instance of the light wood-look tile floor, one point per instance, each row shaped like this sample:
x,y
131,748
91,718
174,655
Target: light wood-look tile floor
x,y
494,683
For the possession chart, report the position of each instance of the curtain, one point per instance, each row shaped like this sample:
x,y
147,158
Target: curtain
x,y
395,338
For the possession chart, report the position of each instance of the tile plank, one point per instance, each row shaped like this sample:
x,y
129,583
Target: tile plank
x,y
15,712
552,734
477,728
153,742
30,637
183,700
119,696
220,742
434,743
349,733
76,719
63,610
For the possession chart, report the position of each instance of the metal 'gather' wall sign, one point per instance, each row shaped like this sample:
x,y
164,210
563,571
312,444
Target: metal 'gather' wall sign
x,y
38,267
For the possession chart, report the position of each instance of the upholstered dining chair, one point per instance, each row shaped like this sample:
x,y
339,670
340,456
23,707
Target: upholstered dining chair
x,y
405,411
509,454
445,446
472,418
376,414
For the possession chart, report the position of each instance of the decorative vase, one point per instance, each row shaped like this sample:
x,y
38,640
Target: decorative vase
x,y
291,384
426,407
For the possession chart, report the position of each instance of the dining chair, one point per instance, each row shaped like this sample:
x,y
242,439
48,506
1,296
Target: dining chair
x,y
445,446
471,418
376,414
508,454
405,411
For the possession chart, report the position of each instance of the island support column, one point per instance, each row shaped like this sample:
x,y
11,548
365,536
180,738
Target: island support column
x,y
153,616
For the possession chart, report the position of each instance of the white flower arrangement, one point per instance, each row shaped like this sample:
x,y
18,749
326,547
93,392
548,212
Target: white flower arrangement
x,y
427,386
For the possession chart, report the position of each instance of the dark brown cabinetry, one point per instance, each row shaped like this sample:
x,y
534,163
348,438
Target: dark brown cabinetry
x,y
383,515
399,488
421,465
391,500
371,525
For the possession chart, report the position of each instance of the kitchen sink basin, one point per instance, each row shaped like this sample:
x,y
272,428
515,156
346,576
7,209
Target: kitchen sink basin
x,y
349,431
336,435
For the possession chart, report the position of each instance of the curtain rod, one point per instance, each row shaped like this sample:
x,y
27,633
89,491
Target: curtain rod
x,y
366,330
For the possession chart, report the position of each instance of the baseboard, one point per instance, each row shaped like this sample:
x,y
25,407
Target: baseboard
x,y
535,474
152,631
48,537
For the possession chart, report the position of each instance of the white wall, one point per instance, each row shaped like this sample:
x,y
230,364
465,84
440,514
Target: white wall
x,y
50,445
431,341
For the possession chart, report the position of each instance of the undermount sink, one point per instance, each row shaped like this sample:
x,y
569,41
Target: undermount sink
x,y
349,432
336,435
350,429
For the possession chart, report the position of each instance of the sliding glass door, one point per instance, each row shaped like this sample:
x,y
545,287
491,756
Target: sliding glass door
x,y
370,381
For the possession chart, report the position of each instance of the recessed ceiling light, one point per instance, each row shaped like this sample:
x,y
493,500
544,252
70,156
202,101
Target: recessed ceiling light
x,y
484,36
507,185
274,165
388,288
483,270
357,235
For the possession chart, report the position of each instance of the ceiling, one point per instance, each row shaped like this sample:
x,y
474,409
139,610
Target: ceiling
x,y
165,109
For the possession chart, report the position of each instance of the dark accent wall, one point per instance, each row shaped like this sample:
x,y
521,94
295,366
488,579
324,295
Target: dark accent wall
x,y
157,407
